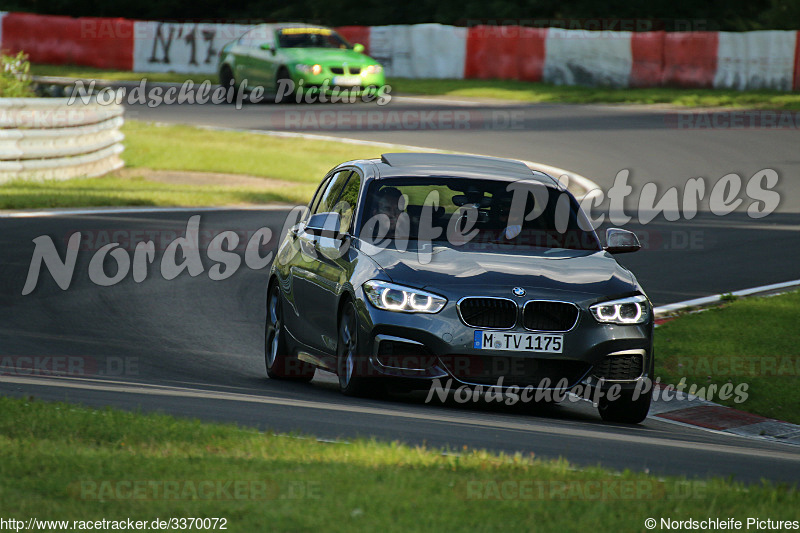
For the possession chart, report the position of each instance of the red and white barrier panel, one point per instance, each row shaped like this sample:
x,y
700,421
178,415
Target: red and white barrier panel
x,y
56,40
191,48
750,60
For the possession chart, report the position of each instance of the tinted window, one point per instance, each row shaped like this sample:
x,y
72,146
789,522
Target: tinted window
x,y
332,192
317,196
310,38
257,36
553,217
346,204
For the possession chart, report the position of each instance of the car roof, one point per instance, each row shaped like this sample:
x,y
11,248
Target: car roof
x,y
280,25
472,166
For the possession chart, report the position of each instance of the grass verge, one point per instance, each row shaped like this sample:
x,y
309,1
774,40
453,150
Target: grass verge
x,y
74,71
70,463
753,341
150,146
545,92
506,89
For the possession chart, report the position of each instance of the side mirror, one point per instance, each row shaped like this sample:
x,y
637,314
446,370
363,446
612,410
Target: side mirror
x,y
358,48
620,241
325,224
269,47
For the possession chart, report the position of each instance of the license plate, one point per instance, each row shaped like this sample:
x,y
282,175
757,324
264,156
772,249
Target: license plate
x,y
518,342
347,80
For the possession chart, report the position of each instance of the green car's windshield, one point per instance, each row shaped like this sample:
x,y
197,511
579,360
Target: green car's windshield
x,y
310,38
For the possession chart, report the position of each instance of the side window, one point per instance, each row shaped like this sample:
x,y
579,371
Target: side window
x,y
312,207
346,205
256,37
332,192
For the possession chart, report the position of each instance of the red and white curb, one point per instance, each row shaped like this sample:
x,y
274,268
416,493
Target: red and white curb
x,y
689,410
699,413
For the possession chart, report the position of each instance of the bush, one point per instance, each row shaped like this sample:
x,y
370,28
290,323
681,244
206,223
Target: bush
x,y
15,78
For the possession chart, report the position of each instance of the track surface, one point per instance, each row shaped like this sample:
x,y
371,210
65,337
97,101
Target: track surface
x,y
194,347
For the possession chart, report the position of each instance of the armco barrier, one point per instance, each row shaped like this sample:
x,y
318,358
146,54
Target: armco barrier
x,y
44,138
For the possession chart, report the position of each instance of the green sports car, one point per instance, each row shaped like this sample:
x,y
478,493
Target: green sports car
x,y
309,56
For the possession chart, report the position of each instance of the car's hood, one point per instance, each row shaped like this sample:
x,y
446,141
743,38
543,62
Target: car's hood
x,y
327,56
578,274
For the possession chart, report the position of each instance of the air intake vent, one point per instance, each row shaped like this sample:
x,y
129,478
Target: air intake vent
x,y
542,315
619,367
499,313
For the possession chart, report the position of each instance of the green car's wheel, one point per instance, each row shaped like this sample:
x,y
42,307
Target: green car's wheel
x,y
226,77
281,79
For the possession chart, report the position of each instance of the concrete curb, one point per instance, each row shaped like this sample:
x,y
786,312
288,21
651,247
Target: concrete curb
x,y
690,410
699,413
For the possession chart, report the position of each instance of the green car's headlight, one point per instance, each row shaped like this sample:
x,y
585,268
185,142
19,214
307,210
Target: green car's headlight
x,y
392,297
372,69
308,69
633,310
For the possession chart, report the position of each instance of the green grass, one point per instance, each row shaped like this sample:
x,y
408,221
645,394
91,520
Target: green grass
x,y
190,148
545,92
65,462
753,340
508,90
73,71
149,146
115,191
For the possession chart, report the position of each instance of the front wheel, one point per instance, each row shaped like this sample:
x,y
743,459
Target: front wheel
x,y
351,367
279,364
626,408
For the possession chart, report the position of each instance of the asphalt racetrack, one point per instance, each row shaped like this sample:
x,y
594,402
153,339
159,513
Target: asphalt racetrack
x,y
192,346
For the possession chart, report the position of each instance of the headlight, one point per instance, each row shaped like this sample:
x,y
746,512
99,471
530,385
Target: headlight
x,y
313,69
633,310
372,69
391,297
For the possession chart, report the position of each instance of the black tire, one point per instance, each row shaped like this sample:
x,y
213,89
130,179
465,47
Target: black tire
x,y
625,409
278,363
283,74
350,365
226,76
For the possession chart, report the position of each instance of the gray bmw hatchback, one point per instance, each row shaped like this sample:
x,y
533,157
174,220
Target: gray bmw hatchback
x,y
414,269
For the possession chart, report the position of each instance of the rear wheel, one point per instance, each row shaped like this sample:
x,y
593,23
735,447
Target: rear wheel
x,y
625,409
351,366
279,364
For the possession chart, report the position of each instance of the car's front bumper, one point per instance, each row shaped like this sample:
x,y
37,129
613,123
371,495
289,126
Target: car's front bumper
x,y
423,347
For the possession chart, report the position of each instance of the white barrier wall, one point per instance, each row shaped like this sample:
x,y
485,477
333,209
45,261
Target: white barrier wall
x,y
420,50
51,138
756,60
580,57
181,47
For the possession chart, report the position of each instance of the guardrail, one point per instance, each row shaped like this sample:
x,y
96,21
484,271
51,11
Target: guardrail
x,y
44,138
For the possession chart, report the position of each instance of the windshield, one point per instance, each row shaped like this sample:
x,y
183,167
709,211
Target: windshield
x,y
474,212
310,38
